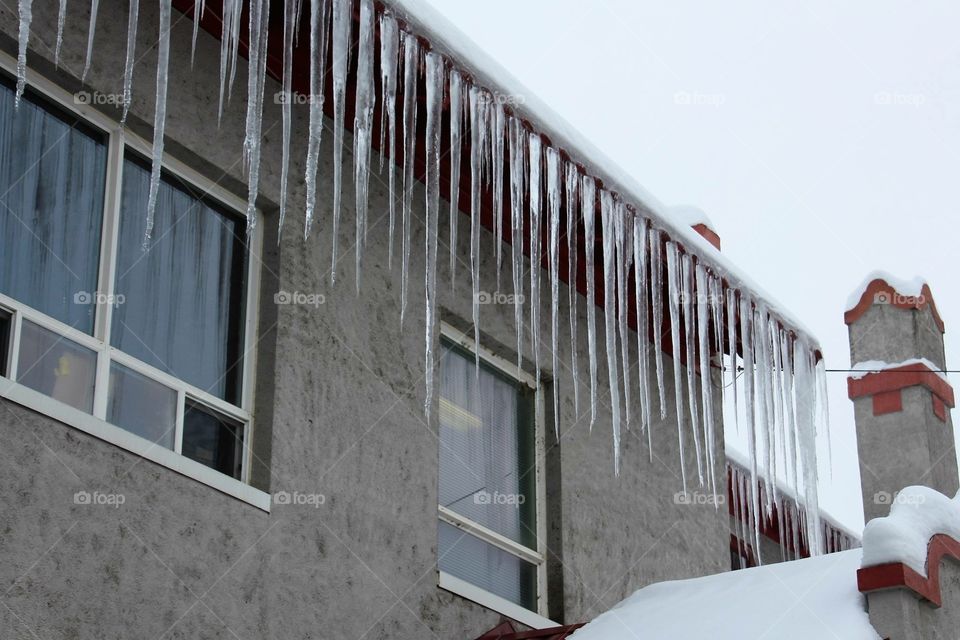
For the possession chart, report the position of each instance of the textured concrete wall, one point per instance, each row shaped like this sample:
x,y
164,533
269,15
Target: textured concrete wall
x,y
912,446
339,411
898,614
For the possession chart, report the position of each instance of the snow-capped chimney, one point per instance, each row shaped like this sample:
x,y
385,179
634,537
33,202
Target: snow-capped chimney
x,y
901,397
696,218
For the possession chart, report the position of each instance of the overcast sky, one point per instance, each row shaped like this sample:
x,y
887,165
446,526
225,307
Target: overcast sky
x,y
822,138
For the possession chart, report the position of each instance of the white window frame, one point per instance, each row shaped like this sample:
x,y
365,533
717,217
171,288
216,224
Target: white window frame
x,y
118,140
536,619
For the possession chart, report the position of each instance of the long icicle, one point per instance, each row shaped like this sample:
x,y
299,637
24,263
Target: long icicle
x,y
640,228
319,17
746,341
389,62
257,75
94,9
588,207
478,102
159,118
673,295
61,20
363,127
517,150
226,50
25,9
706,388
132,17
411,58
434,80
553,209
689,340
732,314
608,213
497,131
456,145
571,193
199,6
342,23
535,160
289,23
624,257
656,306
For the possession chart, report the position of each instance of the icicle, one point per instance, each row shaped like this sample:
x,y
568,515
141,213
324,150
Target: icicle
x,y
806,402
363,126
434,105
688,305
764,422
746,340
588,207
94,8
61,20
719,328
234,43
25,9
198,9
132,17
342,22
289,23
824,414
389,62
789,424
257,75
456,144
535,160
229,43
572,183
553,209
624,256
497,125
656,305
673,295
608,216
640,229
319,16
478,102
411,56
704,295
518,144
732,315
159,117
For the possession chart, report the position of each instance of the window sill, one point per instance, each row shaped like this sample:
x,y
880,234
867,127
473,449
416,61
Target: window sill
x,y
493,602
133,443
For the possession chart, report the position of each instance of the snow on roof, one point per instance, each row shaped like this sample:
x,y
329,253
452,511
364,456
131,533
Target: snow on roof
x,y
916,515
690,215
447,38
912,287
810,598
861,369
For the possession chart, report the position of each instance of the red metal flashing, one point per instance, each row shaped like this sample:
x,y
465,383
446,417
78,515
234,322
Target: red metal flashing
x,y
896,575
939,409
708,233
882,385
879,291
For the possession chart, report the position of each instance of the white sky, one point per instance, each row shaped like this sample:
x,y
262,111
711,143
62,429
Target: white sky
x,y
821,137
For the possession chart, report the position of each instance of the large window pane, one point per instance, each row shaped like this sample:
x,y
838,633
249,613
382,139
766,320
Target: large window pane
x,y
56,366
487,461
213,440
486,566
52,184
183,299
142,406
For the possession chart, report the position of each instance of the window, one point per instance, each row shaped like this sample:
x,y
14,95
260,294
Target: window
x,y
490,537
152,341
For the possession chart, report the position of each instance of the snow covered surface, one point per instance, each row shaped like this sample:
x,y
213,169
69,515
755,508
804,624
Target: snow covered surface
x,y
916,515
861,369
810,598
690,215
448,38
911,287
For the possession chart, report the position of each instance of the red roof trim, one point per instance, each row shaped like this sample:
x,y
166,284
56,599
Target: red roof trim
x,y
897,378
897,575
879,291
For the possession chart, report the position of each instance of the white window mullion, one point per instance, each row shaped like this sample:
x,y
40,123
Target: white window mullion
x,y
178,430
15,344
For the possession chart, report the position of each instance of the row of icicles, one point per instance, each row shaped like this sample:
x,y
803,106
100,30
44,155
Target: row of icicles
x,y
780,394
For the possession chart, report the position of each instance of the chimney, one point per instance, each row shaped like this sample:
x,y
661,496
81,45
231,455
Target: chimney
x,y
900,397
695,218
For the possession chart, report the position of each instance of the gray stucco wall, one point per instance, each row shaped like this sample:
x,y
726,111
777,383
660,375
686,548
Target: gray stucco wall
x,y
339,411
898,614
